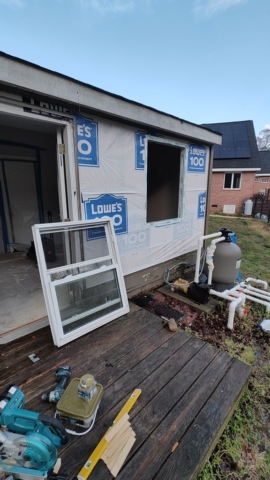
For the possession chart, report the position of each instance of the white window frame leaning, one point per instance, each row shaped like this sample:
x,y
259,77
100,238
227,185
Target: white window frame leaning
x,y
49,284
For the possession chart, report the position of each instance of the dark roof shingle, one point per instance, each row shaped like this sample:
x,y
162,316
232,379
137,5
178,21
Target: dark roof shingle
x,y
239,146
264,162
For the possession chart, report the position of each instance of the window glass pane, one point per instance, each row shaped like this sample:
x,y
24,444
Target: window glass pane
x,y
236,180
228,180
84,300
78,270
67,246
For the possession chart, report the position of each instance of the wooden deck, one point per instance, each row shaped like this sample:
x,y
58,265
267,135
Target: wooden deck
x,y
189,391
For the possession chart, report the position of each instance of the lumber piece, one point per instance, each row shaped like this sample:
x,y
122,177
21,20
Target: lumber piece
x,y
116,442
122,457
110,460
101,447
116,427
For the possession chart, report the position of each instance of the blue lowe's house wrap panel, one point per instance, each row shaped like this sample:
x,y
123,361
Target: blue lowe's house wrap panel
x,y
115,187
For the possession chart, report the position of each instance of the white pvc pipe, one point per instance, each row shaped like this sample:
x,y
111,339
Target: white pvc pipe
x,y
254,289
233,305
225,294
217,240
238,295
249,297
257,280
200,244
209,257
255,292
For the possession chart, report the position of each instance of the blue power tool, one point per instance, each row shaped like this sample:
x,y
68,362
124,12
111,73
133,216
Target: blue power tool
x,y
62,376
28,440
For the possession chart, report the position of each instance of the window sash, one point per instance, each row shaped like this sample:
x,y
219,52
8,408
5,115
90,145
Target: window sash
x,y
232,181
82,290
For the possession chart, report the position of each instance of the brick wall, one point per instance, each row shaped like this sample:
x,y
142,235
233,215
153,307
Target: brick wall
x,y
220,197
260,185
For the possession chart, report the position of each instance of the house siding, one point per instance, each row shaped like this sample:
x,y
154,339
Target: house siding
x,y
221,197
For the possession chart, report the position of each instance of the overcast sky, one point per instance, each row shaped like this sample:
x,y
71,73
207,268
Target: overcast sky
x,y
204,61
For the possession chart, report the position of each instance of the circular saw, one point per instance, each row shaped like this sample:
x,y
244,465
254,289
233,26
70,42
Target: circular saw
x,y
28,440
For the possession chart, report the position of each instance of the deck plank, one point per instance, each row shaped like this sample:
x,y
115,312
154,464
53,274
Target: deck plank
x,y
200,439
158,445
75,352
189,390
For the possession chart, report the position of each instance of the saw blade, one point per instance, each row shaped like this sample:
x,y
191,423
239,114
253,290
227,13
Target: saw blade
x,y
32,451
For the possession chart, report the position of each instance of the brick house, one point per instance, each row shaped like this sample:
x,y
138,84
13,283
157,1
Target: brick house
x,y
262,178
236,163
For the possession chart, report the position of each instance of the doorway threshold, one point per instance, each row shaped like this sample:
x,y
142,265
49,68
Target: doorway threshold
x,y
22,305
23,330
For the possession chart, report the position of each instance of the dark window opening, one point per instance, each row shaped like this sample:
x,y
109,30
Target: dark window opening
x,y
163,181
232,180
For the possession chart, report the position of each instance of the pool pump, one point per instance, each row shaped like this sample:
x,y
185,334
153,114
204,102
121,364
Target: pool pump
x,y
219,276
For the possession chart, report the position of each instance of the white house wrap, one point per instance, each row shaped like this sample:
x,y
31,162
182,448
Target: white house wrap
x,y
114,184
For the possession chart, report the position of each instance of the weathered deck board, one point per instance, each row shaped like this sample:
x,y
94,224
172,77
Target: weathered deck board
x,y
189,390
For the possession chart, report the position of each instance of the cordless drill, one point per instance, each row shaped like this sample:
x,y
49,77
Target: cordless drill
x,y
62,376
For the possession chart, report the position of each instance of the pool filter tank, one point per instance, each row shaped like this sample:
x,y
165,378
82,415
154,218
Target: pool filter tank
x,y
227,260
220,271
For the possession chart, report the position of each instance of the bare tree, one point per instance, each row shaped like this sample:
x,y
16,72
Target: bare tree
x,y
263,139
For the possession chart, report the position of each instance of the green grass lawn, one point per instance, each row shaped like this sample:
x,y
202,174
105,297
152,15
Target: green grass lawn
x,y
243,451
253,237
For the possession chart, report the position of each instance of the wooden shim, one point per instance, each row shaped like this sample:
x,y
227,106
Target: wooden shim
x,y
113,445
110,461
122,457
116,427
57,466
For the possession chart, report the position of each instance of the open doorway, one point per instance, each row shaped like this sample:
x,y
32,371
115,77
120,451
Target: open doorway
x,y
31,192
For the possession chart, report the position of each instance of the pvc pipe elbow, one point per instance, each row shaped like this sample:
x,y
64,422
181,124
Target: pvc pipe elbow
x,y
232,309
257,280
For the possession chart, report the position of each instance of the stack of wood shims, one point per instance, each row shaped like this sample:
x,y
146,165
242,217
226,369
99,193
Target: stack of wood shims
x,y
120,440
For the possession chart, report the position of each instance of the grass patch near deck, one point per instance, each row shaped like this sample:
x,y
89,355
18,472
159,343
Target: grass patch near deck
x,y
243,451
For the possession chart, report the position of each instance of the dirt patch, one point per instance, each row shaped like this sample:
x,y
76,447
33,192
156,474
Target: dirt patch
x,y
210,327
169,307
